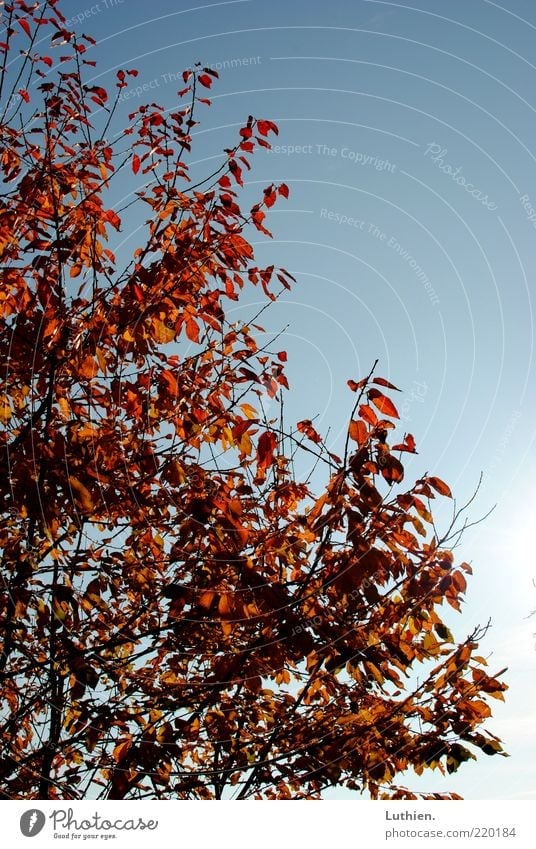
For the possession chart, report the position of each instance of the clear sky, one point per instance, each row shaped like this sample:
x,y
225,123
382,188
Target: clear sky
x,y
407,138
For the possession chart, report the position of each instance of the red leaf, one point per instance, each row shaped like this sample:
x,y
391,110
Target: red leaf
x,y
282,355
307,428
138,293
101,95
380,381
265,449
24,94
269,197
26,27
382,403
236,171
205,80
258,217
264,127
408,445
136,163
410,442
355,386
283,190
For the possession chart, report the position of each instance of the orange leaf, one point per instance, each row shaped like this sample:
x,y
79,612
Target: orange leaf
x,y
224,606
205,599
120,751
368,414
459,581
192,330
440,486
81,494
358,432
407,445
382,403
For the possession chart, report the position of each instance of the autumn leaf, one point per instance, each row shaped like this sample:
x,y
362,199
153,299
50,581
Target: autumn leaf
x,y
407,445
382,403
380,381
391,468
439,486
81,494
368,414
122,749
355,385
358,432
307,428
265,450
25,26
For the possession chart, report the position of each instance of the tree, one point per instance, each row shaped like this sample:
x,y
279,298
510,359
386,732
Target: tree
x,y
181,615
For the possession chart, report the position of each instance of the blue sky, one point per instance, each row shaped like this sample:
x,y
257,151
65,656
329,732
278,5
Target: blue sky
x,y
407,139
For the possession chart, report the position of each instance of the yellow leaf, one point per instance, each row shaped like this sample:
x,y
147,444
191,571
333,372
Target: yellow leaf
x,y
65,408
5,409
430,643
59,609
161,332
246,445
249,411
373,670
169,678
